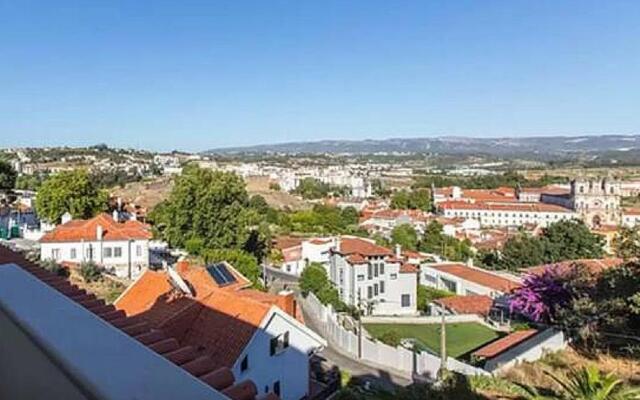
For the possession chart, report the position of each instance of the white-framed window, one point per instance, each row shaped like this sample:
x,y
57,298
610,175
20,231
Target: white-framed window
x,y
73,254
360,278
405,300
117,251
381,287
139,250
55,254
107,252
393,276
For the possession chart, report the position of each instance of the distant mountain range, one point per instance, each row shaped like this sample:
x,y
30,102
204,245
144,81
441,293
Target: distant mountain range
x,y
536,147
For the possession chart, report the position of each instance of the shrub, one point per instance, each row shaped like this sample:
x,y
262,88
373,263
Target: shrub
x,y
90,271
391,338
52,266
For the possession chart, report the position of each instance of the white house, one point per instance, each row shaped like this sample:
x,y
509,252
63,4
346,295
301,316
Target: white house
x,y
465,280
300,254
259,336
122,247
507,214
372,277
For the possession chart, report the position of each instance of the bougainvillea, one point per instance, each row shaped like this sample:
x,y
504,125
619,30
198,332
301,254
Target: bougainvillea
x,y
541,295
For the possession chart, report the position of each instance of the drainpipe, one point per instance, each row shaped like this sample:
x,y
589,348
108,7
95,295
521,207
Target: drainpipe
x,y
129,258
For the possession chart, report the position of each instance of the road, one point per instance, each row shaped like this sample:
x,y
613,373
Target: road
x,y
378,376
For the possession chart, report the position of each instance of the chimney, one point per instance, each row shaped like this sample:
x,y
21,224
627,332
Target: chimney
x,y
398,251
66,217
335,243
116,216
470,262
182,267
99,232
287,302
119,200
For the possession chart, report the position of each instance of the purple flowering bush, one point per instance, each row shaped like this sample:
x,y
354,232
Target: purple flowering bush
x,y
540,296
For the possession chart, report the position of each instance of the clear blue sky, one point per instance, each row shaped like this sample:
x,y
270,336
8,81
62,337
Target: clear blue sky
x,y
212,73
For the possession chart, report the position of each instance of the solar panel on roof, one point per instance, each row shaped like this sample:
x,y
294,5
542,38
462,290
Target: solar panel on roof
x,y
220,273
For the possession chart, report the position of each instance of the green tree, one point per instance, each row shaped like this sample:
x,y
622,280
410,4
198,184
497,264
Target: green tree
x,y
405,235
349,215
435,241
313,279
212,206
400,200
242,261
627,243
311,188
7,176
521,251
73,192
571,240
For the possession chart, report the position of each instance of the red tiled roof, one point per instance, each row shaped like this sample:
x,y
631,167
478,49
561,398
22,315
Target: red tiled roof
x,y
362,247
78,230
201,366
217,321
284,242
593,265
509,206
408,268
292,253
630,211
475,304
503,344
476,275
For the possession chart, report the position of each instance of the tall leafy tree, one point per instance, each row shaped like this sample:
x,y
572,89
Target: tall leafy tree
x,y
627,243
435,241
405,235
7,176
419,199
571,240
213,207
74,192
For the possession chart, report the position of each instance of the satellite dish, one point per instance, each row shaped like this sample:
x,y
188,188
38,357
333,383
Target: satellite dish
x,y
179,282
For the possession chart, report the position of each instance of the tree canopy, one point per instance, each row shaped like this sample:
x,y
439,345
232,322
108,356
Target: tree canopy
x,y
211,210
405,235
311,188
71,191
419,199
7,176
436,241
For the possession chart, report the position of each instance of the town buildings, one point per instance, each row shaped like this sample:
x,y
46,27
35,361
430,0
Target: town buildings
x,y
121,247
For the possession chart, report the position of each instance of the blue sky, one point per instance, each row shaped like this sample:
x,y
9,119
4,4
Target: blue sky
x,y
200,74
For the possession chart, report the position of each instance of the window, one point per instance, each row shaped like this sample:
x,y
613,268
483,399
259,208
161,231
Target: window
x,y
279,343
117,251
381,287
405,300
370,271
55,254
276,388
375,270
449,285
139,250
381,269
430,279
244,364
393,276
73,254
375,289
369,292
360,278
107,252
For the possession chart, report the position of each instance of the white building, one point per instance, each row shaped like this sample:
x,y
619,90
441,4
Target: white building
x,y
507,214
373,277
299,255
121,247
465,280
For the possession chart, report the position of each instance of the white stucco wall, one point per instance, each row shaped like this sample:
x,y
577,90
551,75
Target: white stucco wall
x,y
463,286
137,251
290,367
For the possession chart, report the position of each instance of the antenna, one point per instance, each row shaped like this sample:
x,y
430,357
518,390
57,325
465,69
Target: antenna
x,y
180,283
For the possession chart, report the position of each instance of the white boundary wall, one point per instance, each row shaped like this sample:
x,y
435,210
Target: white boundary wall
x,y
401,359
547,341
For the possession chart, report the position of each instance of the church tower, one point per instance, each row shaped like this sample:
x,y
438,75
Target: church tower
x,y
597,201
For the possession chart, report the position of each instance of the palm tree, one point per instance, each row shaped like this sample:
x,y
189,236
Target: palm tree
x,y
588,383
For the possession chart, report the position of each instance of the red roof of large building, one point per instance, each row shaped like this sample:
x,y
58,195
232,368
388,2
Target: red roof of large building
x,y
161,341
87,230
478,276
503,344
474,304
509,206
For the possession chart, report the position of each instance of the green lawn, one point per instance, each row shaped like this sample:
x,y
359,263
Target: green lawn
x,y
461,337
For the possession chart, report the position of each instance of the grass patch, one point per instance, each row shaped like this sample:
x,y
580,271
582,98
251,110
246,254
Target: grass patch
x,y
461,337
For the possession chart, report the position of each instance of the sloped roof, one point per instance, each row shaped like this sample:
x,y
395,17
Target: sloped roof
x,y
81,229
478,276
219,322
365,248
408,268
474,304
205,368
506,206
503,344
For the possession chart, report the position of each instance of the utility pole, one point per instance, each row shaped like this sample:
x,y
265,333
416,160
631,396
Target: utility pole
x,y
360,329
443,346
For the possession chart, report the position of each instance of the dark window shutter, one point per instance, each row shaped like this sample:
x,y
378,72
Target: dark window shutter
x,y
274,345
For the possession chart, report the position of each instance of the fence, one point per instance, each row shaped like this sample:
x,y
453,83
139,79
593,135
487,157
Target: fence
x,y
401,359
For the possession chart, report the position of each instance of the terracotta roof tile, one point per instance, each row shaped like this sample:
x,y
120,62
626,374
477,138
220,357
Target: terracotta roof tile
x,y
503,344
478,276
78,230
408,268
507,206
349,245
475,304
